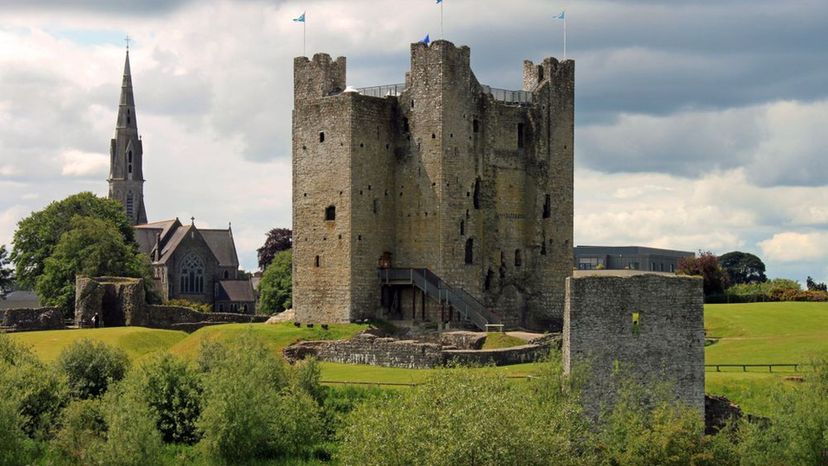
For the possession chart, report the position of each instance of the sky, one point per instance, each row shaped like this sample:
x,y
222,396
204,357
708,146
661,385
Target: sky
x,y
700,125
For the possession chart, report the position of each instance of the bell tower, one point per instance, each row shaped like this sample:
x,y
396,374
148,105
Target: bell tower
x,y
126,174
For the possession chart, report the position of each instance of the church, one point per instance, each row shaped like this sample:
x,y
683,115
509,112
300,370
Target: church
x,y
189,263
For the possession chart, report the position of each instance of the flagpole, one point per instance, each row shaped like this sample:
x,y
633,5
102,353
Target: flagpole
x,y
305,38
564,37
441,20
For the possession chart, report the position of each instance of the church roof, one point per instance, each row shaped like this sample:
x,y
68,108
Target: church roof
x,y
236,290
172,232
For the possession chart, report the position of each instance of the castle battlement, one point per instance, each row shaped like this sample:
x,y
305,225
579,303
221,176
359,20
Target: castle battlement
x,y
442,173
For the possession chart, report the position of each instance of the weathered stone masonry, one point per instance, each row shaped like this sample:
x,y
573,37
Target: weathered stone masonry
x,y
445,175
647,327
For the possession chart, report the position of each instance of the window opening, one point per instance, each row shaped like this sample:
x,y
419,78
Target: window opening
x,y
316,262
330,213
520,138
462,227
376,206
476,126
518,258
477,193
405,125
321,136
488,283
226,275
470,251
192,275
636,323
547,206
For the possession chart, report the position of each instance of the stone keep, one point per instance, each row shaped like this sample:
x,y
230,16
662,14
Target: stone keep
x,y
472,183
648,328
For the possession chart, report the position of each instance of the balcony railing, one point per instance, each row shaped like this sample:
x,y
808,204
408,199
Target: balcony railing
x,y
501,95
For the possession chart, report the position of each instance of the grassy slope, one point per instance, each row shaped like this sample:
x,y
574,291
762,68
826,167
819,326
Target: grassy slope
x,y
761,333
497,340
136,341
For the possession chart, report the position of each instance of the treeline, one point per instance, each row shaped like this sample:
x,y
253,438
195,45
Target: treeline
x,y
238,403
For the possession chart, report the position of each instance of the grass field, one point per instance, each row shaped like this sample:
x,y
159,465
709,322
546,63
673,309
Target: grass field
x,y
757,333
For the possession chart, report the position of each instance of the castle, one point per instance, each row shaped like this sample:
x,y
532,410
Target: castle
x,y
188,263
440,199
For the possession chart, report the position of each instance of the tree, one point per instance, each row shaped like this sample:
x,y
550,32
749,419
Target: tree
x,y
5,273
91,366
38,234
743,267
275,289
278,240
707,266
91,247
814,286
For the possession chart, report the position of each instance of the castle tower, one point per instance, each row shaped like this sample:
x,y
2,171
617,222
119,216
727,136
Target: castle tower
x,y
461,193
126,175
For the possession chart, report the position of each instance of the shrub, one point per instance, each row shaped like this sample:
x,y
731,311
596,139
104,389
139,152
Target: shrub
x,y
15,448
38,391
83,431
196,306
90,367
131,436
251,409
172,390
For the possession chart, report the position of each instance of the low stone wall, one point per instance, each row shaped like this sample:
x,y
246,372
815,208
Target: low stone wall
x,y
497,357
372,350
189,320
408,354
464,340
28,319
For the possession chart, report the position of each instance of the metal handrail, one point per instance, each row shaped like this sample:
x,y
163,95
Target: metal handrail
x,y
508,96
385,90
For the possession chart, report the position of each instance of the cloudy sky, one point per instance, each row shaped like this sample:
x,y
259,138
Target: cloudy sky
x,y
700,124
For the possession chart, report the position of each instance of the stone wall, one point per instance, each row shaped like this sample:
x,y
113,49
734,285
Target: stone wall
x,y
25,319
117,301
409,354
189,320
666,344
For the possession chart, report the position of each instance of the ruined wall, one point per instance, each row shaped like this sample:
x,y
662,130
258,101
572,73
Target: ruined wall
x,y
27,319
117,301
666,344
189,320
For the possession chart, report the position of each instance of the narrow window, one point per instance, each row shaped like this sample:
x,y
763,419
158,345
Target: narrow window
x,y
376,206
520,136
129,169
470,251
226,275
518,258
547,206
476,126
321,136
462,227
405,125
477,193
316,262
543,248
129,156
221,307
488,283
636,328
540,74
330,213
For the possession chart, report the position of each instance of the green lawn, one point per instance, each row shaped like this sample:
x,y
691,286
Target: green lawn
x,y
136,341
497,340
780,333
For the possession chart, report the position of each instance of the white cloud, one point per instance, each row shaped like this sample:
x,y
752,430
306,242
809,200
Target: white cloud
x,y
77,163
792,246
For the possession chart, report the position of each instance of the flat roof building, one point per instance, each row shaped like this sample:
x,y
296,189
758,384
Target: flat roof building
x,y
628,257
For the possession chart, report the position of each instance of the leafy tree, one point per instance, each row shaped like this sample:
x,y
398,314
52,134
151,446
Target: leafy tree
x,y
743,267
38,234
91,366
814,286
90,247
278,240
276,288
707,266
5,272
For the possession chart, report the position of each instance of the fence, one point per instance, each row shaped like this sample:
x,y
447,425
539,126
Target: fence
x,y
502,95
406,384
745,367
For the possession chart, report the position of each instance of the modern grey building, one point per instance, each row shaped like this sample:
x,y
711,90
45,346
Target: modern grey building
x,y
628,257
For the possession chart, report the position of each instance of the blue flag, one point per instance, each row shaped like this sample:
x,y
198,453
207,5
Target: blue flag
x,y
439,1
300,19
426,40
561,16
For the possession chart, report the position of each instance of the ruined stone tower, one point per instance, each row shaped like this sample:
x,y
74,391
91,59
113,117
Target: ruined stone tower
x,y
126,175
439,199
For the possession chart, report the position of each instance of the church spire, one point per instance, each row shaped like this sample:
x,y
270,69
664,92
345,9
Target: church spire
x,y
126,174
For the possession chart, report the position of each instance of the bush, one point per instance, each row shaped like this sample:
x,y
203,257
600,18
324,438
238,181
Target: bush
x,y
131,436
38,391
251,409
83,431
172,390
15,448
196,306
90,367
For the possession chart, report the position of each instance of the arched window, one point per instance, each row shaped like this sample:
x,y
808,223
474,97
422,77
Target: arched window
x,y
226,275
330,212
192,275
470,251
129,156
